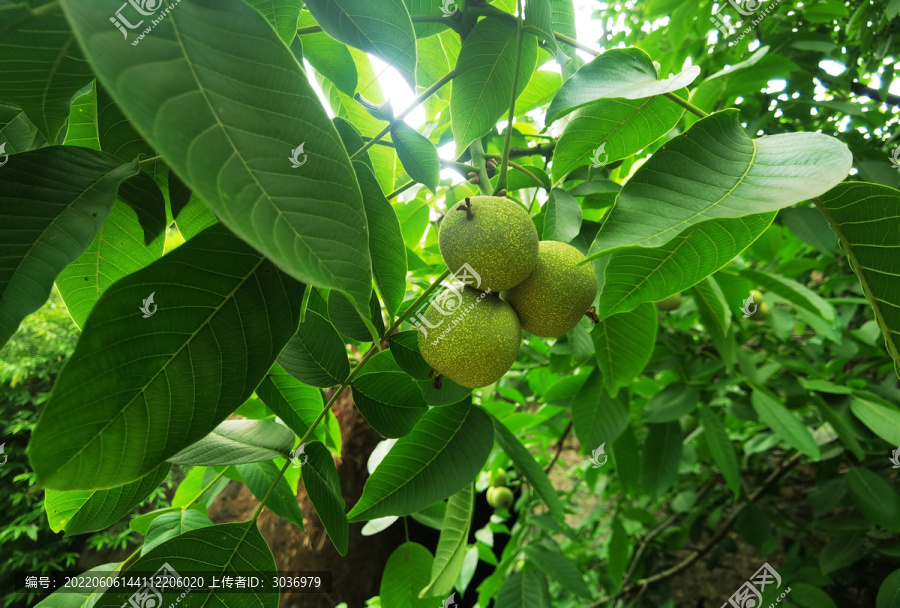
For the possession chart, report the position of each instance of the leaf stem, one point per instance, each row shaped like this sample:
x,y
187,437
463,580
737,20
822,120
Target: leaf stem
x,y
502,180
575,43
477,152
203,491
686,105
46,9
402,189
415,104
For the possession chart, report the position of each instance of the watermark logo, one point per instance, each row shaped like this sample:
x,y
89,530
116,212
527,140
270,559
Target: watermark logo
x,y
597,454
749,307
145,307
295,156
895,458
149,595
450,299
445,8
597,160
750,593
296,455
746,8
2,453
895,157
450,602
139,9
4,154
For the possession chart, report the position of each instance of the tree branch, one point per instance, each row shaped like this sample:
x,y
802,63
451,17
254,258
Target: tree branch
x,y
559,447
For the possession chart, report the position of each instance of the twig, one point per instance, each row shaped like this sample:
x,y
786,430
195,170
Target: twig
x,y
686,104
559,447
477,152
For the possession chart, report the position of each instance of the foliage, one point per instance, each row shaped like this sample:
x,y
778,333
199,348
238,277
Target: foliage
x,y
226,247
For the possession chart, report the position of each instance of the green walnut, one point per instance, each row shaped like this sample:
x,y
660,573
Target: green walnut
x,y
499,479
670,303
469,336
552,300
762,310
500,498
494,236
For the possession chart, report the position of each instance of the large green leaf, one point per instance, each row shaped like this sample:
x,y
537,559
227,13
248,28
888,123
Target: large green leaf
x,y
297,404
383,28
116,251
405,347
881,420
452,544
721,449
563,14
612,129
222,550
316,354
238,442
80,511
627,73
170,525
230,144
484,77
548,557
43,66
562,219
889,592
418,155
405,574
282,14
784,424
636,275
674,401
120,382
623,344
259,477
875,497
715,170
320,478
386,245
596,417
661,454
526,464
82,129
439,457
539,21
16,130
387,397
866,219
328,56
53,201
524,589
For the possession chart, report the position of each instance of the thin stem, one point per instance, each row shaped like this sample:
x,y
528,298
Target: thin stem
x,y
203,491
461,168
402,189
46,9
559,446
265,499
477,152
125,563
151,160
502,181
419,100
520,169
575,43
686,105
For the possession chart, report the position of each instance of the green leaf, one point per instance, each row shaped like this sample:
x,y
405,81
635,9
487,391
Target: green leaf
x,y
199,488
170,525
406,572
386,247
316,354
232,145
562,221
627,73
282,14
618,553
715,170
841,552
615,129
636,275
451,548
259,477
673,402
297,404
791,291
808,596
624,343
721,449
524,589
715,313
320,478
866,221
221,550
449,392
627,459
811,227
387,397
210,336
881,420
15,128
238,442
483,83
439,457
77,593
80,511
596,417
661,454
405,347
117,250
784,424
44,67
383,28
875,498
889,592
539,22
53,201
329,57
418,155
82,129
142,194
841,426
347,320
563,17
527,466
550,559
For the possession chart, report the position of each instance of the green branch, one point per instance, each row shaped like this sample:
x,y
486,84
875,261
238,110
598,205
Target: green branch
x,y
477,152
502,180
